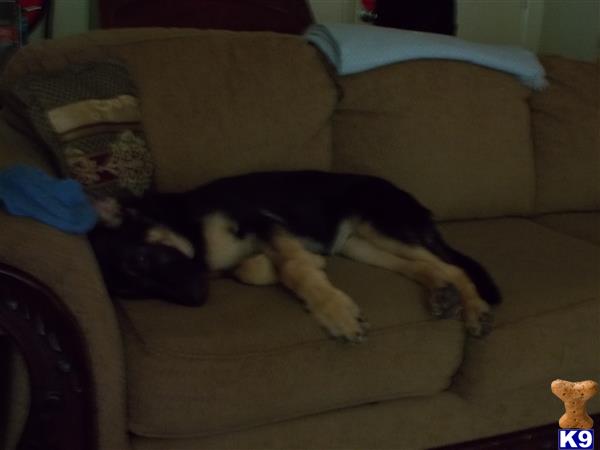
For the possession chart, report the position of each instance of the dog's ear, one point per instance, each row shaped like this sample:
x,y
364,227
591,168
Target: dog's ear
x,y
110,211
160,234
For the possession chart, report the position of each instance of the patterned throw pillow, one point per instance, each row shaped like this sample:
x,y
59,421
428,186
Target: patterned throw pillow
x,y
89,116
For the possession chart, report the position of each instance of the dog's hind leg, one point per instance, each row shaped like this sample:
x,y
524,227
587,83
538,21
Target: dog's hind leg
x,y
301,272
476,312
444,301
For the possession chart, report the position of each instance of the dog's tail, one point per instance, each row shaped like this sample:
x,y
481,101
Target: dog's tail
x,y
486,287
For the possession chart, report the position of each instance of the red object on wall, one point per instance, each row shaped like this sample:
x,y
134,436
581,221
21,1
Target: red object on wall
x,y
33,11
369,5
289,16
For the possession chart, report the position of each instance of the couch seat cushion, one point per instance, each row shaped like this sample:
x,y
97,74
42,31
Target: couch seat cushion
x,y
585,225
251,356
398,424
548,326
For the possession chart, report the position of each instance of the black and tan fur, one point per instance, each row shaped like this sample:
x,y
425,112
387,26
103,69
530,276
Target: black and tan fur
x,y
274,227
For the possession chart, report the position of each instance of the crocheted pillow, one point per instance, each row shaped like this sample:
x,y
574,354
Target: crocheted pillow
x,y
89,117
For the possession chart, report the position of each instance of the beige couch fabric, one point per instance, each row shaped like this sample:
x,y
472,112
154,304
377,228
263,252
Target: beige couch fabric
x,y
387,425
251,356
551,310
455,135
566,134
585,225
214,103
65,263
17,148
409,423
537,269
533,350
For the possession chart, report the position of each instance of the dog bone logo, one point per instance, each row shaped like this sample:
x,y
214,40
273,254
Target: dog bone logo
x,y
574,395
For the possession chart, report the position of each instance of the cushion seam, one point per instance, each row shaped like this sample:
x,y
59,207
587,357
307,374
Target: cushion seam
x,y
289,417
544,313
558,230
93,41
271,352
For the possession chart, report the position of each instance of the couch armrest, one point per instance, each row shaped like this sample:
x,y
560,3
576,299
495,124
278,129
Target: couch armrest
x,y
67,266
17,148
61,411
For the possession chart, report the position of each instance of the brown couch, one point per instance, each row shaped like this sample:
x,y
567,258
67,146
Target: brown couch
x,y
512,175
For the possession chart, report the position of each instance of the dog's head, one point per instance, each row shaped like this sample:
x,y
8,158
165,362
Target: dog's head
x,y
143,257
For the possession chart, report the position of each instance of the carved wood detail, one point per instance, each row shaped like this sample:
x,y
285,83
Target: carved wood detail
x,y
62,408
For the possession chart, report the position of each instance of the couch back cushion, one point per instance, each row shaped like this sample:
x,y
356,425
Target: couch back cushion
x,y
566,133
456,135
214,103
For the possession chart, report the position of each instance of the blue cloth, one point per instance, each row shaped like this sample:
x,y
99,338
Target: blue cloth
x,y
27,191
356,48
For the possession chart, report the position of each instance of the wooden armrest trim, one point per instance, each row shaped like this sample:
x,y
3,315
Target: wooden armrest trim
x,y
62,409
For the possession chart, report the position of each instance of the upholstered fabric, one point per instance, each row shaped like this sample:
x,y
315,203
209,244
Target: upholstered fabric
x,y
503,383
565,123
565,337
18,148
214,103
251,356
551,311
585,225
455,135
385,425
66,264
416,423
538,270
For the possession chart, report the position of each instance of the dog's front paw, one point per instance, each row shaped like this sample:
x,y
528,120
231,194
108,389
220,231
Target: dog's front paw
x,y
478,318
341,317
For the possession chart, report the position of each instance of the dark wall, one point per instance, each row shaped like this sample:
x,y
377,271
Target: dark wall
x,y
434,16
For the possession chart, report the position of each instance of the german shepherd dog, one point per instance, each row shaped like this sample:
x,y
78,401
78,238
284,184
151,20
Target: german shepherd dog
x,y
274,227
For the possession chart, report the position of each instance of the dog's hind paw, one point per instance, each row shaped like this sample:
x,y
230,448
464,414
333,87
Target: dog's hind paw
x,y
478,320
482,327
445,302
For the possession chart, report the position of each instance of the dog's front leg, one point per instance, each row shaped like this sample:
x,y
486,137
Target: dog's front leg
x,y
301,272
